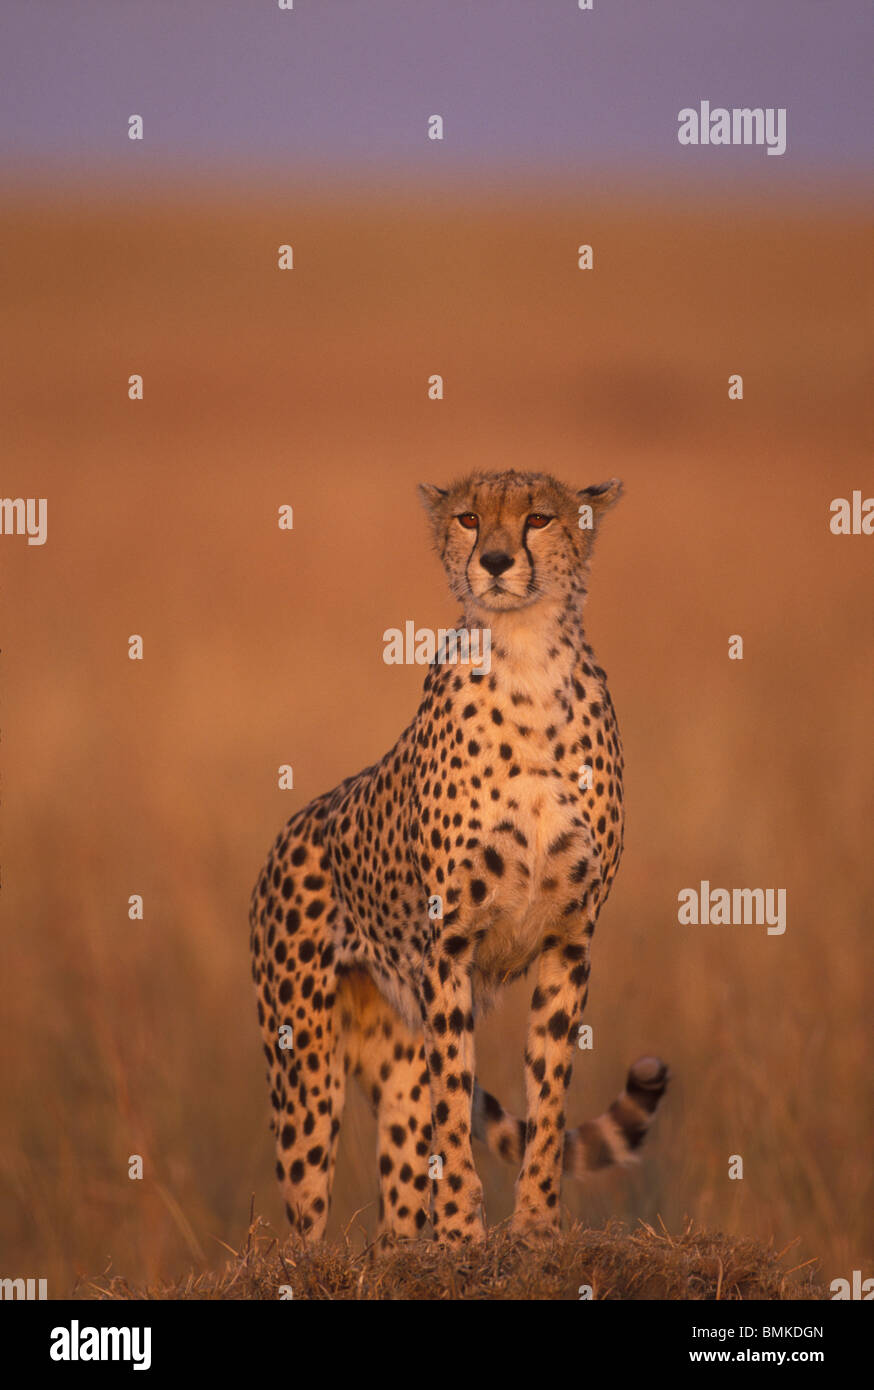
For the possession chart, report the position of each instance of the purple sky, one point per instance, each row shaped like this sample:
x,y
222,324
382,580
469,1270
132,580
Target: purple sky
x,y
344,87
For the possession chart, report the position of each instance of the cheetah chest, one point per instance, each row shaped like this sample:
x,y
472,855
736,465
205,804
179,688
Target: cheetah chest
x,y
537,857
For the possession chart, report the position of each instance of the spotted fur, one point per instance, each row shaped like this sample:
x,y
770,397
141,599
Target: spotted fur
x,y
478,805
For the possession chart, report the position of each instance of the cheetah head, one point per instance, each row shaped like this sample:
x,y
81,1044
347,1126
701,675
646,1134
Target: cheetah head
x,y
509,540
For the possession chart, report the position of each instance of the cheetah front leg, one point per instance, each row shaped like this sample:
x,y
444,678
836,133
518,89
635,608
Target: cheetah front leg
x,y
446,998
556,1009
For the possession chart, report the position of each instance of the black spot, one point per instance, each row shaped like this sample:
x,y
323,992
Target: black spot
x,y
494,862
559,1024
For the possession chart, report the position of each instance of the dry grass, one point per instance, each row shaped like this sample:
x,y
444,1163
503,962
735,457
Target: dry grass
x,y
158,778
614,1263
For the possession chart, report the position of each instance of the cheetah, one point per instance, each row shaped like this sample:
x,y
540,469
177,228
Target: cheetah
x,y
392,908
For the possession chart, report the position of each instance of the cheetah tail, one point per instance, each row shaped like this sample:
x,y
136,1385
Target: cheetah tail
x,y
610,1139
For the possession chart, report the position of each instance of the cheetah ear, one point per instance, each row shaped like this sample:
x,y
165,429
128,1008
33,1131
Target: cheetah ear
x,y
432,497
599,498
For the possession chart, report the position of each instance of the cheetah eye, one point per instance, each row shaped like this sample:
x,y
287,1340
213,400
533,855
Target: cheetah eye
x,y
537,521
469,520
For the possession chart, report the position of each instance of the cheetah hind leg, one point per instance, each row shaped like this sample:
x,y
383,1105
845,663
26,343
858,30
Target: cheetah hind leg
x,y
388,1060
611,1140
293,926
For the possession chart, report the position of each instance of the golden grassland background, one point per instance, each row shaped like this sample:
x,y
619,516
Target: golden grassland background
x,y
263,647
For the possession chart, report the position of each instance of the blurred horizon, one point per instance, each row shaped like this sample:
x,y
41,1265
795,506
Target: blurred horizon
x,y
343,93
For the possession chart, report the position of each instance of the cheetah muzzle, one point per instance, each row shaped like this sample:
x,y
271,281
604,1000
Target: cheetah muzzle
x,y
484,844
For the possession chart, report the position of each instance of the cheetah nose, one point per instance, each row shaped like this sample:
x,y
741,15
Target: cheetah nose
x,y
496,561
